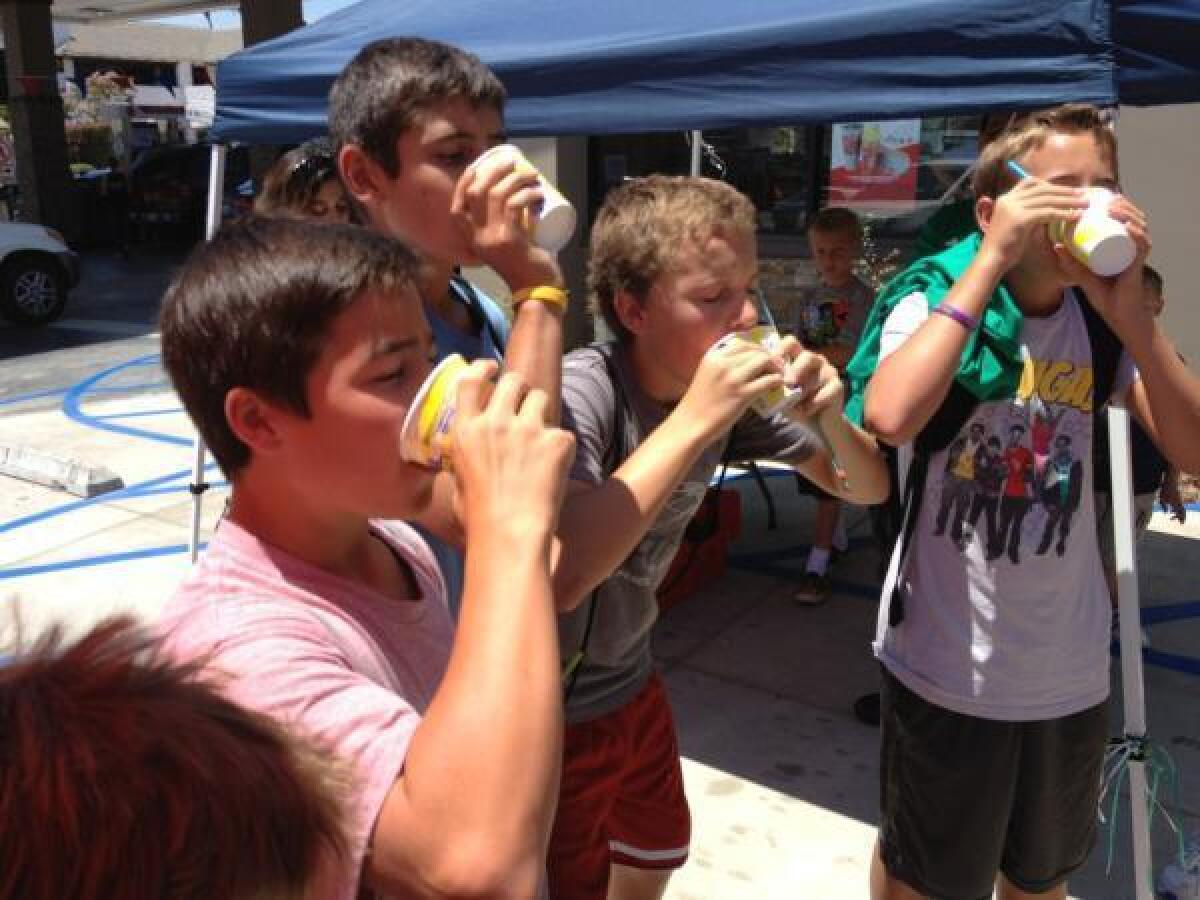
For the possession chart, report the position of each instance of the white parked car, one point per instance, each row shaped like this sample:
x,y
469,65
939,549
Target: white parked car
x,y
37,269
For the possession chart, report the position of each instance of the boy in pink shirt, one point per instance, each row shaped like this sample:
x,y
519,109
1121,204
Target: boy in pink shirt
x,y
297,350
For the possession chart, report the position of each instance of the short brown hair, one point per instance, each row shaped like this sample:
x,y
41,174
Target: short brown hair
x,y
835,220
127,776
388,84
641,227
296,178
253,307
992,175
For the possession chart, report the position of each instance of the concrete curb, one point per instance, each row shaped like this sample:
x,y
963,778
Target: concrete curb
x,y
68,475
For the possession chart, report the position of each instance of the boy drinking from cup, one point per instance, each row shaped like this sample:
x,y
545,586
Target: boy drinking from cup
x,y
673,269
297,350
995,683
411,119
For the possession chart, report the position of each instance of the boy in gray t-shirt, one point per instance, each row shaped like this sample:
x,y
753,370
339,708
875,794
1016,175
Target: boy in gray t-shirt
x,y
672,270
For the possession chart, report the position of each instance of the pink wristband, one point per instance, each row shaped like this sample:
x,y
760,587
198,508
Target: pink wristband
x,y
966,320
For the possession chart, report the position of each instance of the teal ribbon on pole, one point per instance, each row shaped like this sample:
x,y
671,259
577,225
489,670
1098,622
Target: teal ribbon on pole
x,y
1161,775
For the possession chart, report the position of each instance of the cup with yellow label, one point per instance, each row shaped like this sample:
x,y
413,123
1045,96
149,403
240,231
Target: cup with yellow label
x,y
553,222
425,436
778,399
1096,239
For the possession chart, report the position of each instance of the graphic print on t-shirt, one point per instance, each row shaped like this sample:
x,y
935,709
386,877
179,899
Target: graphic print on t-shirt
x,y
1013,478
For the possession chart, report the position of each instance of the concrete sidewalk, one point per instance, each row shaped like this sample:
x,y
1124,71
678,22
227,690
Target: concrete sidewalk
x,y
781,778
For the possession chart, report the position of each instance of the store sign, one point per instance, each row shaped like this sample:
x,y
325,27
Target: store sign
x,y
875,163
200,104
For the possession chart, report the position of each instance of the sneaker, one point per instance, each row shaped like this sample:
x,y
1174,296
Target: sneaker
x,y
813,589
1182,881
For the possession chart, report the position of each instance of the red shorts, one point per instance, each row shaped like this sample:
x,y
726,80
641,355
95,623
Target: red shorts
x,y
621,799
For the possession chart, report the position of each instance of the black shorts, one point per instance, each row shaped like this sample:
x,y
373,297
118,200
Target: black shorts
x,y
963,798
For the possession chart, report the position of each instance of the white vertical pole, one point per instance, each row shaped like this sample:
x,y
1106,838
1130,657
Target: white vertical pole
x,y
1131,642
697,152
212,221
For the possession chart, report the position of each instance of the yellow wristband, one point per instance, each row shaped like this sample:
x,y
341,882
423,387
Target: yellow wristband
x,y
543,293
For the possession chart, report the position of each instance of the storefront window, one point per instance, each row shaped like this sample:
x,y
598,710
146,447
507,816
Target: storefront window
x,y
780,168
895,174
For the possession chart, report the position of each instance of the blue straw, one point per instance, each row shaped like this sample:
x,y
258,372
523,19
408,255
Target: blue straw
x,y
1016,169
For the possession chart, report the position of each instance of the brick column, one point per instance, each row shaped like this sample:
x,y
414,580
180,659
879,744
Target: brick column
x,y
265,19
36,114
261,21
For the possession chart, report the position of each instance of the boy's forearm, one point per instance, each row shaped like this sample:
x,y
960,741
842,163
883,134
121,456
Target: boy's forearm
x,y
599,528
1172,393
535,349
859,456
911,383
482,769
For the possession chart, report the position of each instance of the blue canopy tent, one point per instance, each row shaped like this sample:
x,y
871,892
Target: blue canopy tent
x,y
575,67
1157,51
635,66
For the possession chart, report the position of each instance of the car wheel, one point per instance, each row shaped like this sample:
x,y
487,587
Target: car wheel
x,y
32,290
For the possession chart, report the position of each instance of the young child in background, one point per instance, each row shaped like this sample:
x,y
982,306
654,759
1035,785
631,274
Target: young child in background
x,y
828,321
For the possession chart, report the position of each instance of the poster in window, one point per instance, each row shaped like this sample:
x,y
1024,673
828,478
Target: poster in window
x,y
874,163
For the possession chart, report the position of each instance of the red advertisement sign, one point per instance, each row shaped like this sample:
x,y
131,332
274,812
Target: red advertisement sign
x,y
875,163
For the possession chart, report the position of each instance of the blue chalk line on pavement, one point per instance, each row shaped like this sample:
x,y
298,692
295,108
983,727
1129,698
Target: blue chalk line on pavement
x,y
104,560
140,414
131,491
74,397
37,395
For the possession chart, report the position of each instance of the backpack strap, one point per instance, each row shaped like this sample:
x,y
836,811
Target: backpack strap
x,y
615,453
474,304
938,433
1106,359
1106,354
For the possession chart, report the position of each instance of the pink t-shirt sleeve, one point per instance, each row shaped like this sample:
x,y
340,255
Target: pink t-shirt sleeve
x,y
282,662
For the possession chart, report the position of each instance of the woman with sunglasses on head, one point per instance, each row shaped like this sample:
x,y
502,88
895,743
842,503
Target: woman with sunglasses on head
x,y
304,184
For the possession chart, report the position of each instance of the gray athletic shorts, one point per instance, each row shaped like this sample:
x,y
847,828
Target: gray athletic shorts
x,y
963,798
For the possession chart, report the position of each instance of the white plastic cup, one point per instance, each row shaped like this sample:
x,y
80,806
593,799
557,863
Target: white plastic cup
x,y
1097,240
425,436
776,400
551,225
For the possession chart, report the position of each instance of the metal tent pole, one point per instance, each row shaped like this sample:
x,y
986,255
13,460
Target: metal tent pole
x,y
216,186
1132,683
697,152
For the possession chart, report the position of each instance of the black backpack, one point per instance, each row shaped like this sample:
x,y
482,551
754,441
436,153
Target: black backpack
x,y
900,513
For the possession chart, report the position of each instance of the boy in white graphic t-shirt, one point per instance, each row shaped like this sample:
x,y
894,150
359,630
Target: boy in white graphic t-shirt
x,y
995,650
